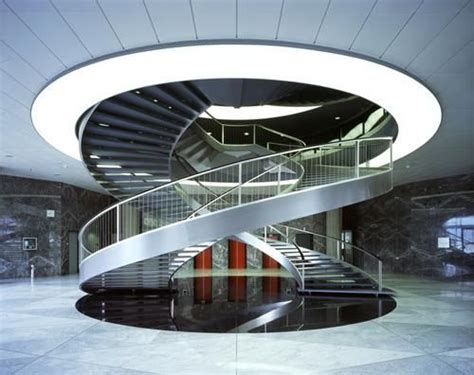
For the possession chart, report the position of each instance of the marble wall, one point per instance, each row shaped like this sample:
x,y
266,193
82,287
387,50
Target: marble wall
x,y
403,227
23,213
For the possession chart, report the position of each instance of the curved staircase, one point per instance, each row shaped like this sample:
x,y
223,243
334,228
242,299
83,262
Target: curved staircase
x,y
140,242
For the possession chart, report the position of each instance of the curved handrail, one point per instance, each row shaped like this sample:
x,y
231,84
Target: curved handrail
x,y
338,241
254,126
107,226
239,186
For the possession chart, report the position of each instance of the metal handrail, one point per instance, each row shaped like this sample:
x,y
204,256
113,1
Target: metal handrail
x,y
239,186
208,172
379,261
217,121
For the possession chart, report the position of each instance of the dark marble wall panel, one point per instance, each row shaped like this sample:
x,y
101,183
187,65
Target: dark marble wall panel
x,y
23,213
403,227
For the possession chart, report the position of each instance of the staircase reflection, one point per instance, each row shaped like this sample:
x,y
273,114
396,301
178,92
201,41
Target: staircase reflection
x,y
235,303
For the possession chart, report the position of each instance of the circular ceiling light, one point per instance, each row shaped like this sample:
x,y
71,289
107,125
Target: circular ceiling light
x,y
253,112
60,104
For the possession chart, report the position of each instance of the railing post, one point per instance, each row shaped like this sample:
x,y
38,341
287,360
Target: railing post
x,y
265,233
240,184
118,223
380,276
357,161
279,179
391,153
254,134
222,134
302,276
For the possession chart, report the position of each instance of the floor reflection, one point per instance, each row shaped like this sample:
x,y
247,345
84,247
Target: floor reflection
x,y
232,304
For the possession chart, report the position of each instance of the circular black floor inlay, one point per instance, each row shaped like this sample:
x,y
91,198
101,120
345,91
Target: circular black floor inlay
x,y
233,304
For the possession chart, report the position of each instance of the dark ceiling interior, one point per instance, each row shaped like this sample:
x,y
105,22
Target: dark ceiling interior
x,y
339,110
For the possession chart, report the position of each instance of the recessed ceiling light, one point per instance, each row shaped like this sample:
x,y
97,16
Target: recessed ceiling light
x,y
108,166
117,174
155,100
103,125
142,174
137,92
59,105
246,133
337,118
258,112
94,157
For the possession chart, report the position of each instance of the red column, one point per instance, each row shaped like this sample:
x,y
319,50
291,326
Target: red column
x,y
203,284
237,288
203,261
237,254
269,262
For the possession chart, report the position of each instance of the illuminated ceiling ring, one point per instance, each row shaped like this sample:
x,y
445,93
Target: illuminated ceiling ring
x,y
60,104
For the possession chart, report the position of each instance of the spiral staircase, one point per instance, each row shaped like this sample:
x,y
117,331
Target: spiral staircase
x,y
160,223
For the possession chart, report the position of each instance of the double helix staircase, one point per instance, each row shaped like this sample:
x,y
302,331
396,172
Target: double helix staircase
x,y
142,241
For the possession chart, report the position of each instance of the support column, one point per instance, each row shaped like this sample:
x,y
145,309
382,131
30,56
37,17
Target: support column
x,y
203,283
237,255
203,261
267,261
333,229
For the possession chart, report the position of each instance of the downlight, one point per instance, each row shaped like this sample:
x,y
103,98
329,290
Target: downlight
x,y
60,104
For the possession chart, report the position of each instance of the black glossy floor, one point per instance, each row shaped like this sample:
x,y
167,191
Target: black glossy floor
x,y
233,304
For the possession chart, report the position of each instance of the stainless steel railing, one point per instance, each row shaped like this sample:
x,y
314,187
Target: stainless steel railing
x,y
365,262
248,134
236,184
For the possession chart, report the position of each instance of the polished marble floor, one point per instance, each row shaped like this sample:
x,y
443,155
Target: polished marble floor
x,y
431,331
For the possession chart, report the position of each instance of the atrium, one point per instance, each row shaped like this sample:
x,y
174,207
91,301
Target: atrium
x,y
237,187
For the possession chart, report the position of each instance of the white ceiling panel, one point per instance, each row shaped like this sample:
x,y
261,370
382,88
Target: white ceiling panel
x,y
6,54
16,90
50,27
131,22
16,35
343,21
457,90
462,62
452,39
430,19
301,19
12,105
386,20
172,19
258,18
23,73
215,19
89,23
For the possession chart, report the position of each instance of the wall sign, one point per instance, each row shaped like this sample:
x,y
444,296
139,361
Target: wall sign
x,y
443,243
30,243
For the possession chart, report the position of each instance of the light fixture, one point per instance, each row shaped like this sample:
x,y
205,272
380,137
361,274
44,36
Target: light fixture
x,y
141,174
103,125
246,133
59,105
337,118
117,174
254,112
94,157
109,166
